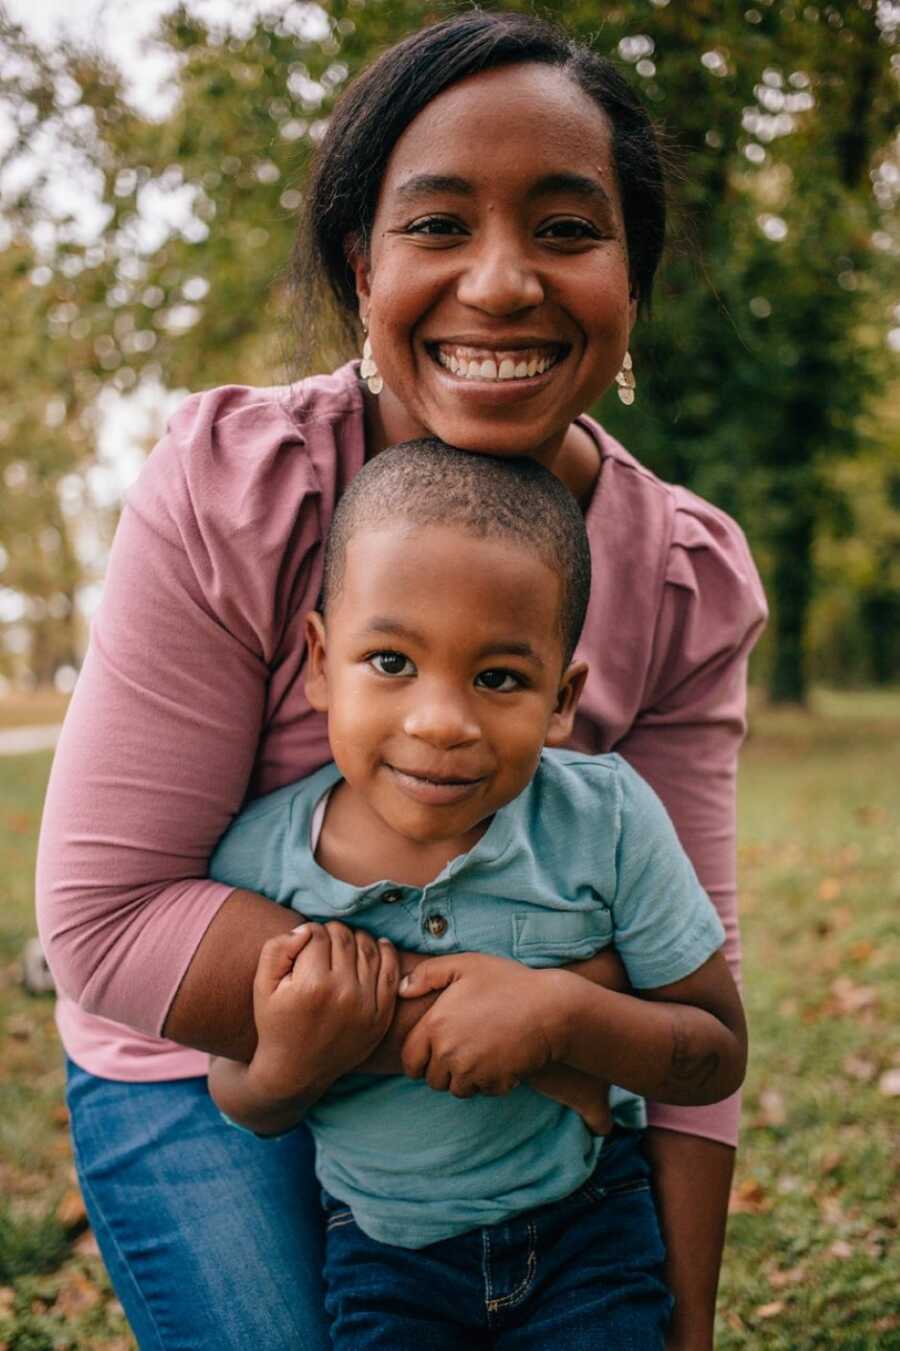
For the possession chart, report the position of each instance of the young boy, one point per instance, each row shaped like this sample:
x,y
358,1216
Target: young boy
x,y
455,590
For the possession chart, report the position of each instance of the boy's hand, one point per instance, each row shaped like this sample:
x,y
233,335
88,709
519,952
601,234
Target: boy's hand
x,y
490,1028
323,998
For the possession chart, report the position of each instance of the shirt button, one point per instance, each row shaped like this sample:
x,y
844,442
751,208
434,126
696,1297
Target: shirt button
x,y
436,925
392,897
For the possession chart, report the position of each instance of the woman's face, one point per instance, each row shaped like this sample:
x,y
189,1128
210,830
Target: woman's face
x,y
496,283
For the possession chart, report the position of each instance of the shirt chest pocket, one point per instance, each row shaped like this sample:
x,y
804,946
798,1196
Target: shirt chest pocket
x,y
554,937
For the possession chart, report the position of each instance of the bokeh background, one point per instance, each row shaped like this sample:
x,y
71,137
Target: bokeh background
x,y
152,162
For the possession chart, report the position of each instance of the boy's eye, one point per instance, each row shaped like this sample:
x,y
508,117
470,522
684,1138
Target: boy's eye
x,y
392,664
502,681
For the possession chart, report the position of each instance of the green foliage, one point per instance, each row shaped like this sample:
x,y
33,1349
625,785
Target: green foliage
x,y
760,375
30,1245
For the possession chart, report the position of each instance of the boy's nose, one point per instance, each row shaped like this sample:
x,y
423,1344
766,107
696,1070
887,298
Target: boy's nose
x,y
441,721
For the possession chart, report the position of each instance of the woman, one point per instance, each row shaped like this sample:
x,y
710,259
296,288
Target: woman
x,y
488,204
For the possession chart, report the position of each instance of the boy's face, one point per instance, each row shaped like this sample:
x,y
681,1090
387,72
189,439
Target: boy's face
x,y
440,669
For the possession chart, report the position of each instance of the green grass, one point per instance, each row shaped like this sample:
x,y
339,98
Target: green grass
x,y
811,1259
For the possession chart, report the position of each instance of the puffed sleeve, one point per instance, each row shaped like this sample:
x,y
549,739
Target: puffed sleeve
x,y
213,551
685,740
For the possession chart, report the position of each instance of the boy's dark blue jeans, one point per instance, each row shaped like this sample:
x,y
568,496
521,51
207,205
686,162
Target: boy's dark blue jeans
x,y
584,1272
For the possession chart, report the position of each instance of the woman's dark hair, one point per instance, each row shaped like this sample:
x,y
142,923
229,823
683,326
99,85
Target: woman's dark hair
x,y
368,120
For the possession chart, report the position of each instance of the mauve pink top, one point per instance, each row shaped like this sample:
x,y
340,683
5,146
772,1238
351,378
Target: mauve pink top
x,y
191,699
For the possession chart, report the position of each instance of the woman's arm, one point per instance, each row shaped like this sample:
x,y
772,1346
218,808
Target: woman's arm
x,y
215,553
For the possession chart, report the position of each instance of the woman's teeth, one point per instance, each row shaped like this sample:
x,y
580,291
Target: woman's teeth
x,y
520,367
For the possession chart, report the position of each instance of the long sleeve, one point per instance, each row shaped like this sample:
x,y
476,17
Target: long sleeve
x,y
686,739
214,556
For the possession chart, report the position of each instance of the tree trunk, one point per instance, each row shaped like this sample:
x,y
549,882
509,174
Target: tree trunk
x,y
793,578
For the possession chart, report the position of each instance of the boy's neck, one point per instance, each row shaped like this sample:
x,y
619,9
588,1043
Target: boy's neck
x,y
355,845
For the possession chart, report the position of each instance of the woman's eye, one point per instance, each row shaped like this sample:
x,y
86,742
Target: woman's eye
x,y
392,664
434,226
571,228
504,682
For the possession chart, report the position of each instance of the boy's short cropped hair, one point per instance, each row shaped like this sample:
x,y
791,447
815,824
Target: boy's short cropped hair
x,y
426,482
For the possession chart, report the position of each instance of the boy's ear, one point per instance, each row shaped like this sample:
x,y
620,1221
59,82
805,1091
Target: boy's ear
x,y
562,719
314,680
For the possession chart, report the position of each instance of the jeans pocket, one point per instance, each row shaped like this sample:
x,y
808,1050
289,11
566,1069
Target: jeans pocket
x,y
623,1187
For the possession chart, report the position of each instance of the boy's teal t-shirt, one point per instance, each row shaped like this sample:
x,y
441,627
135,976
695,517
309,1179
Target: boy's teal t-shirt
x,y
585,857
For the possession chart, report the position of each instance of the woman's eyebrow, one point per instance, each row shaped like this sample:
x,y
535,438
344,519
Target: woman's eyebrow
x,y
420,185
577,184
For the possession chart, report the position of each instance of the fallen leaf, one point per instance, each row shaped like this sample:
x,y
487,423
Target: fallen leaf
x,y
840,1248
833,1159
829,889
858,1068
850,998
771,1109
770,1310
86,1245
889,1084
59,1114
861,951
77,1294
749,1198
735,1321
792,1276
19,1027
7,1298
870,815
71,1212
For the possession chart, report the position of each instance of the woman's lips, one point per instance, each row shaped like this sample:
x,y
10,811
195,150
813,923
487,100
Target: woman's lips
x,y
434,792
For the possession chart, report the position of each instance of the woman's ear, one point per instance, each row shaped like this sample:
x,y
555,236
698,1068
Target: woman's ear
x,y
562,719
358,262
315,679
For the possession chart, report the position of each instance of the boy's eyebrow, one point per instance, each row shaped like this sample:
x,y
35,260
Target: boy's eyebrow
x,y
504,648
510,649
384,624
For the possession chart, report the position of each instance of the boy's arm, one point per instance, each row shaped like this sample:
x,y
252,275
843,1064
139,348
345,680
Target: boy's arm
x,y
323,997
497,1022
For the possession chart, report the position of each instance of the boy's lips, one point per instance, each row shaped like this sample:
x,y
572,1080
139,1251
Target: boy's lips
x,y
434,790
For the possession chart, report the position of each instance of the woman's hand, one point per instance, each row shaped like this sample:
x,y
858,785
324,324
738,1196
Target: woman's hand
x,y
493,1025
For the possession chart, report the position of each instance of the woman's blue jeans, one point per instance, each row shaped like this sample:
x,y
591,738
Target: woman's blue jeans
x,y
212,1239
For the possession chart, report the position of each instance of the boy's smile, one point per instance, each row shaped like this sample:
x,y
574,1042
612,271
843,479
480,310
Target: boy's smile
x,y
440,666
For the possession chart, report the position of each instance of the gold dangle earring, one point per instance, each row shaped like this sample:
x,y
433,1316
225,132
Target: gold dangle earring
x,y
367,368
625,380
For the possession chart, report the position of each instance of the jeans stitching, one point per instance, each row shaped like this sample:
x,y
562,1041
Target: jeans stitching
x,y
111,1235
337,1221
522,1289
600,1193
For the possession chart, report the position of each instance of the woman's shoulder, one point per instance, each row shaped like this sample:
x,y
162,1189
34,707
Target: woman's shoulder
x,y
687,541
235,453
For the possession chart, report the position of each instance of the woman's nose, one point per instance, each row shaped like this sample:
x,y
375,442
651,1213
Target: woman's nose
x,y
441,719
500,279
